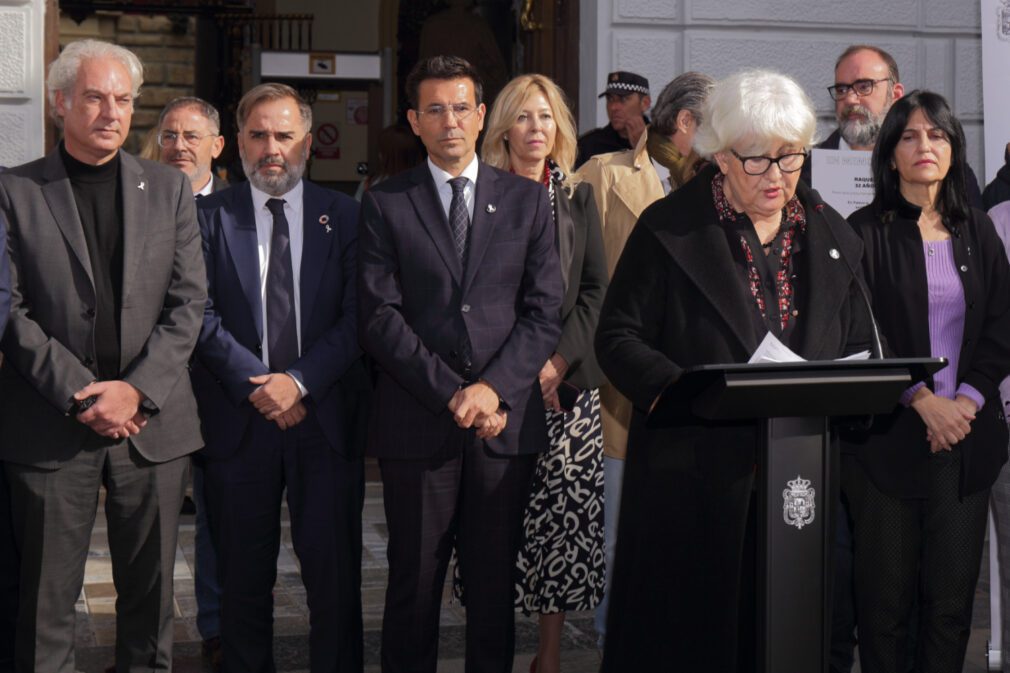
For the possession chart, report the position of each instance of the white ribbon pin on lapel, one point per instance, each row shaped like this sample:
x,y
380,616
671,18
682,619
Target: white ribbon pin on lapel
x,y
491,208
141,185
325,221
834,254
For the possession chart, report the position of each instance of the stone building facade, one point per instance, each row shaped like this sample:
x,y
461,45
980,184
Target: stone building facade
x,y
167,48
937,44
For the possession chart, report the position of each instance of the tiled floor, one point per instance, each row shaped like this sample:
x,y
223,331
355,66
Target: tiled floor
x,y
96,615
96,608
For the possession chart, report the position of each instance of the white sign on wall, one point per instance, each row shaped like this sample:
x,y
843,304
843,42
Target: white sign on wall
x,y
995,92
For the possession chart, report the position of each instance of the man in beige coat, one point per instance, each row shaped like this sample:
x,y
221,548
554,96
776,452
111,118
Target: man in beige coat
x,y
624,184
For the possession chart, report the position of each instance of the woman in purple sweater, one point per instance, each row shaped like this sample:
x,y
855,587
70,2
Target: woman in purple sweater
x,y
918,482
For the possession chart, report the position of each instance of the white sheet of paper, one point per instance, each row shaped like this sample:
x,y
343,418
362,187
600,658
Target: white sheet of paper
x,y
861,355
843,178
772,350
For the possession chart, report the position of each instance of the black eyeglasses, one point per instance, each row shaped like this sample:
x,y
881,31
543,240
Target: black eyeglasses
x,y
862,87
787,163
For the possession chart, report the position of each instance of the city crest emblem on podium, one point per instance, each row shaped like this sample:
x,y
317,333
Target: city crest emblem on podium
x,y
798,503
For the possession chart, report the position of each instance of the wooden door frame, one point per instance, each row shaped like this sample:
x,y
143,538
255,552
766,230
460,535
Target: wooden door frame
x,y
550,40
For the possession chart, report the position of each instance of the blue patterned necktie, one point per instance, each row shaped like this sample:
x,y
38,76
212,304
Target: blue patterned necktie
x,y
282,333
459,217
459,220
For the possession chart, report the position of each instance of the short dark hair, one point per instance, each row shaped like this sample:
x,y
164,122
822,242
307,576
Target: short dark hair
x,y
205,108
442,67
892,65
952,201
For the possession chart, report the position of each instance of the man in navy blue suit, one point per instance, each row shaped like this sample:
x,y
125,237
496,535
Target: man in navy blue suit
x,y
460,304
278,335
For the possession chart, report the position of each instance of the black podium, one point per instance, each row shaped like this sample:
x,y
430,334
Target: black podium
x,y
793,402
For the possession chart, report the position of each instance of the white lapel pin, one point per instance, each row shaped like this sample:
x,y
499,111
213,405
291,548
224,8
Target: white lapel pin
x,y
141,185
325,221
834,254
491,208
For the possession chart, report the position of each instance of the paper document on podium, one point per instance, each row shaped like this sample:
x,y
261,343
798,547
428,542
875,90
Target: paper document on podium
x,y
772,350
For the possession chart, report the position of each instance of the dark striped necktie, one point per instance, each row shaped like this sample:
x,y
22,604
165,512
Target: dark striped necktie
x,y
282,333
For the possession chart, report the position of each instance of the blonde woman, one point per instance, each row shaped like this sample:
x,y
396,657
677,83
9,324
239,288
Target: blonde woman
x,y
531,132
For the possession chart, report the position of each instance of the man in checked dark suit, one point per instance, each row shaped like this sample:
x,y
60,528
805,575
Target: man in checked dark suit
x,y
459,303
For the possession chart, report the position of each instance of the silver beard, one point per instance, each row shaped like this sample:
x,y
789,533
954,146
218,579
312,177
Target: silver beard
x,y
857,132
274,185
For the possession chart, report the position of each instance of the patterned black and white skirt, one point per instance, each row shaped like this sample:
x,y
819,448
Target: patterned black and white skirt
x,y
560,565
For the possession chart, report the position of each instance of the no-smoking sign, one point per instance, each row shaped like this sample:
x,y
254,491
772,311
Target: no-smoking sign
x,y
327,141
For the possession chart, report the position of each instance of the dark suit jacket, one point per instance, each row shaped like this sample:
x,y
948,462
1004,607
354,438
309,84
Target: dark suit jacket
x,y
219,184
49,338
585,271
416,304
674,302
230,351
895,452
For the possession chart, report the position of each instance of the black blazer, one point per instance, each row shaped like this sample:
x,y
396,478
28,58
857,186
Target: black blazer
x,y
580,239
895,451
674,302
416,303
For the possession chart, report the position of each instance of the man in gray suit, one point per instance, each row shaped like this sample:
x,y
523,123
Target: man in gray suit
x,y
108,290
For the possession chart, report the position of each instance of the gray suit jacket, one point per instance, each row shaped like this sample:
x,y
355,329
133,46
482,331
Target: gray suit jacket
x,y
49,343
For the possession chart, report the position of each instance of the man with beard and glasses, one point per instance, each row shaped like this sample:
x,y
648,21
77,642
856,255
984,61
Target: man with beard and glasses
x,y
866,85
278,336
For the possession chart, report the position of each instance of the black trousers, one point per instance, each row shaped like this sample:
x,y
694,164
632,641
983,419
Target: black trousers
x,y
475,499
325,494
9,571
54,512
918,555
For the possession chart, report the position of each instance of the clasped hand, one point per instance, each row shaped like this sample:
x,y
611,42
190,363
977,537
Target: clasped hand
x,y
279,399
476,406
947,421
116,411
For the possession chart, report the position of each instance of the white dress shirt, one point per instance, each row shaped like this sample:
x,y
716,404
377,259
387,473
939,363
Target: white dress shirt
x,y
293,207
445,189
208,188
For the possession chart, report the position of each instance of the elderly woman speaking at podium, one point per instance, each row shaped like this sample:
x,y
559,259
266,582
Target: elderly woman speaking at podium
x,y
742,250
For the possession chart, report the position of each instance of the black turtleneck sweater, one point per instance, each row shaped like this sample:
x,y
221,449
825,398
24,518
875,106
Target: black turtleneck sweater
x,y
99,199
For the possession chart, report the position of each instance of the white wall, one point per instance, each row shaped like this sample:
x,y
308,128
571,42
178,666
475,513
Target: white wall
x,y
22,86
937,44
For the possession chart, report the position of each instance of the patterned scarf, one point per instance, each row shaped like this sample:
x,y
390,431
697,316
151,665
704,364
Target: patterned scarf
x,y
795,220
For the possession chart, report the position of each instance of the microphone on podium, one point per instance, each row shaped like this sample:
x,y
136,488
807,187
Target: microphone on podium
x,y
819,204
